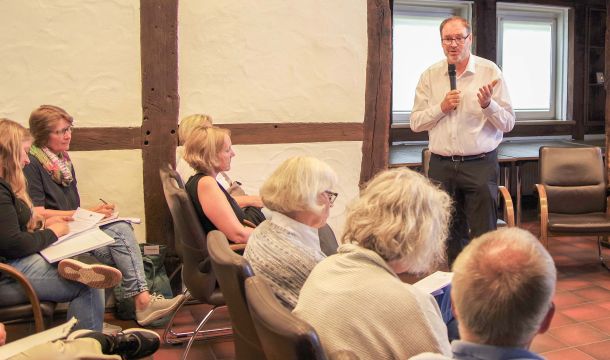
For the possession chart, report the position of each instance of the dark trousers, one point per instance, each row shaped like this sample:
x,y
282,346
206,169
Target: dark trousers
x,y
473,185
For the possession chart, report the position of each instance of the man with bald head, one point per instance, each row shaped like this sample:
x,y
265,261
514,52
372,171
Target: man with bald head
x,y
503,286
465,126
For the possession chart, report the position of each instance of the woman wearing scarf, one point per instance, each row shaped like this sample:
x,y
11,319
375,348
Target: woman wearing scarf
x,y
53,189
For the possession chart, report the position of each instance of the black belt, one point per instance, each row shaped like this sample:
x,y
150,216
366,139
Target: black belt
x,y
461,158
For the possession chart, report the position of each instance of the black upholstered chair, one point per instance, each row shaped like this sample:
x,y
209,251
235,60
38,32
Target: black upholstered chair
x,y
191,247
232,270
573,194
282,335
35,309
508,209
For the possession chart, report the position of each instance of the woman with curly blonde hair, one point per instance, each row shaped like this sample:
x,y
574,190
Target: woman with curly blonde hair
x,y
399,224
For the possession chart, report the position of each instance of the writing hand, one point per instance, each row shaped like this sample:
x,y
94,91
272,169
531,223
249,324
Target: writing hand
x,y
106,209
60,228
451,101
485,93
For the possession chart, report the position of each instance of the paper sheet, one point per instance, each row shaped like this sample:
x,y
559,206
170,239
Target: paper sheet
x,y
21,345
434,282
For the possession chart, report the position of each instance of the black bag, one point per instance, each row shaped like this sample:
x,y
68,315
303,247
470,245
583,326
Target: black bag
x,y
254,215
153,257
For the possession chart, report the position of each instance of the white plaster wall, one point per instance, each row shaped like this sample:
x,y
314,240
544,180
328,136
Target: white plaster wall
x,y
83,55
105,170
277,61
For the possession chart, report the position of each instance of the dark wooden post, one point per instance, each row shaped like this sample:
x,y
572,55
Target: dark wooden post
x,y
606,74
378,101
160,103
485,31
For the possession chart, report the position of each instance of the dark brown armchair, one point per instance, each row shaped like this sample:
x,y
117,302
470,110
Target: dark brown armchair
x,y
232,270
191,247
34,309
573,194
508,209
282,335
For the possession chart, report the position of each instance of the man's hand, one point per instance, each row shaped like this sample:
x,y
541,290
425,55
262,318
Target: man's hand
x,y
451,101
485,94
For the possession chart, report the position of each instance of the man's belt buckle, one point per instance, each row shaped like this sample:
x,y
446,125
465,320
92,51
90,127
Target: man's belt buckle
x,y
457,158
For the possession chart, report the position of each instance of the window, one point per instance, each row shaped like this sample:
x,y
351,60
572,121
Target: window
x,y
532,52
416,27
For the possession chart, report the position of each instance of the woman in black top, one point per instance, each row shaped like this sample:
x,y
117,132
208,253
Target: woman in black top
x,y
19,244
208,151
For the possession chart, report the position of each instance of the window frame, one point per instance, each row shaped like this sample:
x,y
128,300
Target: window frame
x,y
558,18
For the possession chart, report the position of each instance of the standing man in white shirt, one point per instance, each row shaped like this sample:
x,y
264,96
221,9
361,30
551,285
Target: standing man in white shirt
x,y
465,126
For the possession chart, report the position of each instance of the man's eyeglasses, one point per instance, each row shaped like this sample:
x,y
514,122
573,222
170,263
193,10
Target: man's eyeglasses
x,y
63,132
458,40
332,196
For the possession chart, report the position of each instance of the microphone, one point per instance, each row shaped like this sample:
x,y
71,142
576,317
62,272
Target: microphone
x,y
451,71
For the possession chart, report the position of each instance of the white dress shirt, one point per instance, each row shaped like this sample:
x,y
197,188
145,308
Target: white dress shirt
x,y
469,129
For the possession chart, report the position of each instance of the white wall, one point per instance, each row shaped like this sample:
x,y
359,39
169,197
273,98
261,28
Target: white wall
x,y
240,61
277,61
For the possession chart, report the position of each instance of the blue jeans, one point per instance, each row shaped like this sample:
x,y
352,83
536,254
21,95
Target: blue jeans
x,y
86,304
124,254
444,303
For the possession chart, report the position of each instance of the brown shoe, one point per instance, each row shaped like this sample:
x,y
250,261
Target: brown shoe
x,y
97,276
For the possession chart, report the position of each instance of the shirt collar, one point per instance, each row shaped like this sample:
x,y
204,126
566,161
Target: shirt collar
x,y
309,235
465,350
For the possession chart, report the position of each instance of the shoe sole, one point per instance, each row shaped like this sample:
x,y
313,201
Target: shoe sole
x,y
95,275
156,315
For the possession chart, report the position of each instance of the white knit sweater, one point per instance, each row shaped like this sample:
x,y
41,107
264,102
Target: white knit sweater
x,y
284,251
356,302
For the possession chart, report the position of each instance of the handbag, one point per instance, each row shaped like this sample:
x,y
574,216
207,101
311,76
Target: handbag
x,y
153,257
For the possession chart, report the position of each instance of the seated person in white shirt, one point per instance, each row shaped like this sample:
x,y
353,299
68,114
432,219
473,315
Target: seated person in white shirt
x,y
285,248
503,286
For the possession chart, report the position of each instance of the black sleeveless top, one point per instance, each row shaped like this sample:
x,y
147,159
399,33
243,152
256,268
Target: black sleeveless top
x,y
191,189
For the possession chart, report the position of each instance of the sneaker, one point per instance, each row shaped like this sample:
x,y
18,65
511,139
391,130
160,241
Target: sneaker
x,y
136,343
129,344
110,329
97,276
157,308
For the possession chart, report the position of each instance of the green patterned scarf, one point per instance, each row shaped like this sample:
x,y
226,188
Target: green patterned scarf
x,y
58,166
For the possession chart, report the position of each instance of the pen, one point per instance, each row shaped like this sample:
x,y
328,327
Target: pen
x,y
104,201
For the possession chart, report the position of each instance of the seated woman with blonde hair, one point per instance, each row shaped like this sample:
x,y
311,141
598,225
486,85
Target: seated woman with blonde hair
x,y
250,204
355,299
208,151
285,249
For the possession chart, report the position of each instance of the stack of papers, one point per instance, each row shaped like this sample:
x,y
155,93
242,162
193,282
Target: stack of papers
x,y
85,235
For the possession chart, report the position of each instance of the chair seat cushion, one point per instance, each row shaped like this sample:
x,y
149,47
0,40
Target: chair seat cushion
x,y
582,223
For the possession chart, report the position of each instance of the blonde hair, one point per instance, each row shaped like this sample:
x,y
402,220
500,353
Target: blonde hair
x,y
44,119
202,147
402,217
296,184
189,123
12,135
503,285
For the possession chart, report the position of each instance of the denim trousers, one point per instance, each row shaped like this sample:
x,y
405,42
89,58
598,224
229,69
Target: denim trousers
x,y
124,254
85,304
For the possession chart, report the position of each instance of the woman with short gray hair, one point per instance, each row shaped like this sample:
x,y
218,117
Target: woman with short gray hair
x,y
284,249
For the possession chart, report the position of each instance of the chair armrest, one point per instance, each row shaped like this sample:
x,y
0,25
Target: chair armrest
x,y
509,210
29,291
544,214
248,223
237,247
